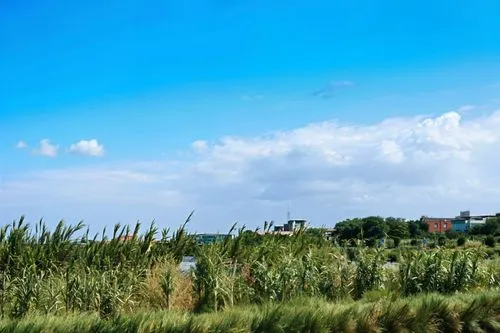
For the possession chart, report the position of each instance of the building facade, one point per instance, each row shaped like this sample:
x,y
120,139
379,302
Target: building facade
x,y
204,239
290,227
462,223
465,221
438,224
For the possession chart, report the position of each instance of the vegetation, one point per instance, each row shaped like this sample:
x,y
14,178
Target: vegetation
x,y
489,241
259,281
423,314
379,227
491,228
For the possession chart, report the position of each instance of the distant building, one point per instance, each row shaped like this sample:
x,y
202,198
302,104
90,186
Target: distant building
x,y
294,225
329,234
290,227
438,224
204,239
461,223
465,221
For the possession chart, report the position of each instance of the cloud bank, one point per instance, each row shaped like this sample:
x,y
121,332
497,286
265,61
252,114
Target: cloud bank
x,y
327,171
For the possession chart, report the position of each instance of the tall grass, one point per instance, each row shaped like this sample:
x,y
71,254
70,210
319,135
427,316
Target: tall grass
x,y
66,272
422,314
60,272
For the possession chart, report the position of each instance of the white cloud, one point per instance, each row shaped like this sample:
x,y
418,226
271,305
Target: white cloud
x,y
392,151
88,148
329,171
199,145
466,108
21,144
45,148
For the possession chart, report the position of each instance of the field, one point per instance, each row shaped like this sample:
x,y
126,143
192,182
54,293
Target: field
x,y
65,280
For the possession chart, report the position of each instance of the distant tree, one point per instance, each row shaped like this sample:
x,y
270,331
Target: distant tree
x,y
397,241
490,227
414,229
349,229
374,227
424,227
397,228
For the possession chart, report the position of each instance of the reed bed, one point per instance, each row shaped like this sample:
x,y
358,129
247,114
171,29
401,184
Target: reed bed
x,y
70,278
425,313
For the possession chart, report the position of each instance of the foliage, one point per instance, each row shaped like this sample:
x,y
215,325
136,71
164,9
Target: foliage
x,y
489,241
461,241
373,227
67,273
450,234
491,227
444,271
417,228
428,313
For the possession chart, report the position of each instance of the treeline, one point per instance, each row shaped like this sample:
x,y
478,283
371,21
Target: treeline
x,y
490,228
375,227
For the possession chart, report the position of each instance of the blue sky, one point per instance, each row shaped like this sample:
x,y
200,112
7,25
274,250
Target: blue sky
x,y
146,79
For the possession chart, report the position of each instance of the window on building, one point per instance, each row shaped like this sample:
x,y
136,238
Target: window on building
x,y
435,225
446,225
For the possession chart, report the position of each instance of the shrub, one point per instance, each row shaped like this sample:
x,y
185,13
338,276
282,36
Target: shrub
x,y
371,242
489,253
397,241
489,241
414,242
389,243
442,241
461,241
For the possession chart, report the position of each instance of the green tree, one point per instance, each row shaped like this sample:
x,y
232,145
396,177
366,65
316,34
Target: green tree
x,y
374,227
397,228
349,229
414,229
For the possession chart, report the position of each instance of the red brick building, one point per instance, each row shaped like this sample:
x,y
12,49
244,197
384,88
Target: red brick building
x,y
438,224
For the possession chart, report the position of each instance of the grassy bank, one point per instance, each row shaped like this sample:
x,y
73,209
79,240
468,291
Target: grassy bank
x,y
424,313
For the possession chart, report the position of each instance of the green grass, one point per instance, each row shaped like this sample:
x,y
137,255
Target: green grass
x,y
424,313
